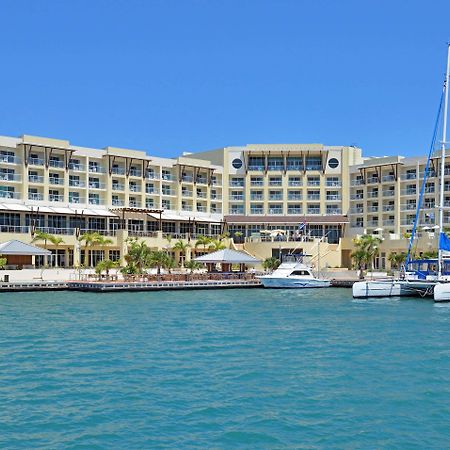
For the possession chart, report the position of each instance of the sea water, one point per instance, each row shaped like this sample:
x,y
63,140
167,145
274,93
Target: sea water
x,y
231,369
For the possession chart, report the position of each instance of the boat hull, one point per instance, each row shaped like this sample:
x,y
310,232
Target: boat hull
x,y
292,283
392,288
442,292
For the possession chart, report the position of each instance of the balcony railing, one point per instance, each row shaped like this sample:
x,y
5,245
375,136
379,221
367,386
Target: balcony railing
x,y
118,202
334,211
14,229
135,173
77,183
389,222
257,183
313,197
118,171
118,187
388,178
333,197
372,208
333,184
373,194
408,176
202,180
388,208
168,192
276,197
134,188
187,179
10,177
313,182
372,180
216,197
95,201
35,178
408,206
357,210
236,197
356,196
166,177
276,211
76,200
152,191
388,193
314,211
357,182
201,194
95,185
134,204
35,196
96,169
7,159
294,210
295,196
56,198
295,183
408,192
237,183
201,208
56,163
186,193
257,211
54,180
186,208
275,182
76,167
35,162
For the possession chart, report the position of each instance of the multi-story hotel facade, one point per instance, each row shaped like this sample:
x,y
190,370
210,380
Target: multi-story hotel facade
x,y
271,199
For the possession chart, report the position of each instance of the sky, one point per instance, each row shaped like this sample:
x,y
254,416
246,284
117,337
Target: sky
x,y
171,76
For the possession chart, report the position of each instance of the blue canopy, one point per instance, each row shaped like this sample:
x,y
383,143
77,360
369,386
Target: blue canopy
x,y
444,242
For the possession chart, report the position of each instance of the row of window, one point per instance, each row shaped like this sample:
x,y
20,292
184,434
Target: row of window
x,y
292,181
279,209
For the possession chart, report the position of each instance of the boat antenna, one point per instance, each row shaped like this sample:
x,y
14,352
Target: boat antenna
x,y
443,144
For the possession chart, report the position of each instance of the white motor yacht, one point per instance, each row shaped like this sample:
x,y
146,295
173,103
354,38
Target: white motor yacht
x,y
293,273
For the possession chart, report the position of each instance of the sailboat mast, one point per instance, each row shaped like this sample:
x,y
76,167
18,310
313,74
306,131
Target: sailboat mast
x,y
444,138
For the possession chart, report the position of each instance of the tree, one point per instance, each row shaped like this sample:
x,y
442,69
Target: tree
x,y
157,259
359,258
181,247
193,265
216,244
41,236
105,266
3,262
203,241
93,239
271,263
367,247
56,240
397,259
238,235
138,255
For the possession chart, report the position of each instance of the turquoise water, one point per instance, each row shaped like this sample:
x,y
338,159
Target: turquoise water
x,y
223,369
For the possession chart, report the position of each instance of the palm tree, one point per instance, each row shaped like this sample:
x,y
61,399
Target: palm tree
x,y
91,239
271,263
367,248
41,236
359,257
216,244
157,259
397,259
56,240
193,265
3,262
181,247
202,240
105,266
138,254
88,237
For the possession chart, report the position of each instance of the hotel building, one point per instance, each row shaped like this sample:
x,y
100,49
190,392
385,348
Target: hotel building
x,y
271,199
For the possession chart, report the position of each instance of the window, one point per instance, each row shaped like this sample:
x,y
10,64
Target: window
x,y
166,204
313,163
294,163
275,163
256,163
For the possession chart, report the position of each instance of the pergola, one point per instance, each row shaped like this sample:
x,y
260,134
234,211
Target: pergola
x,y
126,209
227,258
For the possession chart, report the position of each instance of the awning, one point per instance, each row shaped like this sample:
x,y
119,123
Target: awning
x,y
15,247
228,256
174,217
13,207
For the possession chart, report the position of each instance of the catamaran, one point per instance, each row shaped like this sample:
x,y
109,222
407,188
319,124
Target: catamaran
x,y
430,277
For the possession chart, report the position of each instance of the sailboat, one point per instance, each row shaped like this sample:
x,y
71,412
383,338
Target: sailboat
x,y
419,277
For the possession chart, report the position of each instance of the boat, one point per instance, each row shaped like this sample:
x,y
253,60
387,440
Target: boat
x,y
429,277
293,272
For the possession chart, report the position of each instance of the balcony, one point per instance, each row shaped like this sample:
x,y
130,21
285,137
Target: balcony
x,y
372,223
96,169
295,197
314,211
134,188
135,172
166,177
293,183
216,197
408,206
236,197
9,159
134,203
201,208
277,211
76,200
256,167
294,210
276,197
257,183
429,190
273,167
313,182
10,177
118,187
186,208
333,197
386,178
372,194
408,192
372,180
187,179
186,193
372,208
56,198
76,167
313,197
56,163
236,211
216,210
333,184
117,202
358,210
77,183
275,183
35,162
168,192
152,191
201,194
118,171
202,180
356,196
357,182
389,193
35,179
96,185
389,222
35,196
55,180
95,201
408,176
388,208
257,211
234,183
334,211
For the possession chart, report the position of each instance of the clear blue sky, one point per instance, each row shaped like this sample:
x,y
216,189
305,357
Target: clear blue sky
x,y
168,76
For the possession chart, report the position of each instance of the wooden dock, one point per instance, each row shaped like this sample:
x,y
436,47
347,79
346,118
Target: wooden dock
x,y
23,286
